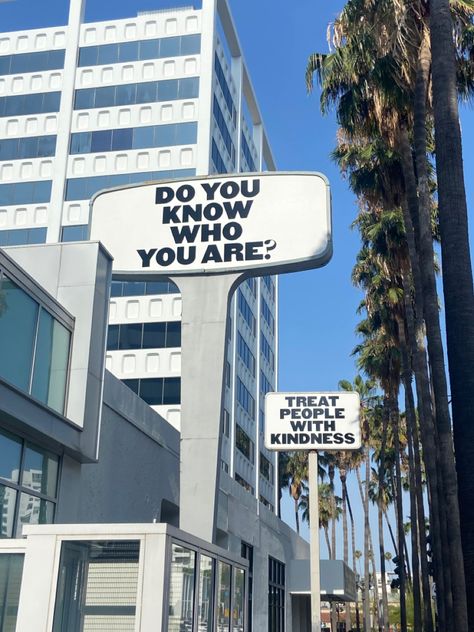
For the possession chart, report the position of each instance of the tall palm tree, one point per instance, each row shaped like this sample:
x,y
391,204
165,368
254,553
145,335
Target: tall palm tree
x,y
297,470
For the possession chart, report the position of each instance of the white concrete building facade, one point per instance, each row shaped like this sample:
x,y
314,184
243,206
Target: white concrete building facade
x,y
161,95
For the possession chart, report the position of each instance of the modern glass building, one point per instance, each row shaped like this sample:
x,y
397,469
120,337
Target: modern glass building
x,y
162,95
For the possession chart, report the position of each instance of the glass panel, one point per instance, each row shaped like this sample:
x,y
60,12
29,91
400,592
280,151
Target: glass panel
x,y
154,335
51,362
74,233
10,451
33,510
206,587
11,570
173,334
223,598
112,338
149,49
128,51
101,140
133,288
172,390
151,391
131,336
40,471
238,595
7,511
108,54
181,599
169,46
18,315
97,587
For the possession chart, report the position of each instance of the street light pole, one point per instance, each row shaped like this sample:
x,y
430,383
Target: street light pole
x,y
314,542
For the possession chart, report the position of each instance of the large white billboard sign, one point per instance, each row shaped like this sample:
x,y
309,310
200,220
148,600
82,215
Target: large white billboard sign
x,y
280,222
312,421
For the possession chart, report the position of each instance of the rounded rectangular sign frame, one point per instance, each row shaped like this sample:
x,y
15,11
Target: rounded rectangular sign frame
x,y
312,421
260,223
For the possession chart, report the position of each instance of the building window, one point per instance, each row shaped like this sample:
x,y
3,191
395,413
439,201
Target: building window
x,y
157,391
22,236
226,93
247,153
225,422
265,385
266,468
144,336
206,592
267,315
25,192
276,595
246,312
39,343
77,232
246,551
219,164
142,288
85,188
134,138
181,589
228,373
28,484
97,586
238,600
222,125
11,570
241,481
134,93
37,103
244,443
29,147
266,503
223,597
267,351
139,50
31,62
245,354
251,283
245,399
270,285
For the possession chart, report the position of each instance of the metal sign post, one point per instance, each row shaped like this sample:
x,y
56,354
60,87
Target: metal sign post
x,y
314,542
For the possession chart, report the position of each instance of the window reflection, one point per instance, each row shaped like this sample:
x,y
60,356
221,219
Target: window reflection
x,y
223,598
33,510
206,601
238,596
181,596
7,511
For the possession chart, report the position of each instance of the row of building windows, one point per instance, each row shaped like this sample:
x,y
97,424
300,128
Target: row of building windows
x,y
85,188
76,232
38,103
267,315
157,391
219,164
248,154
244,444
144,336
225,423
29,147
222,125
31,62
245,354
265,385
221,78
245,399
28,484
38,191
22,236
246,311
134,93
139,50
266,503
134,138
252,285
142,288
39,344
267,351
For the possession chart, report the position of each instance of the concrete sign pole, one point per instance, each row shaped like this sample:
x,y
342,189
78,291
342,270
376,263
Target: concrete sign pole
x,y
314,542
203,354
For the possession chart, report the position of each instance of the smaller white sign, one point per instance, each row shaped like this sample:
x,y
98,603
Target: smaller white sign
x,y
312,421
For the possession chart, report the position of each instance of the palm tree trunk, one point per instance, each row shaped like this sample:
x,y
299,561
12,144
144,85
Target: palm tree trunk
x,y
365,503
415,554
429,435
425,580
354,563
345,536
435,345
457,278
400,532
297,516
385,622
328,544
392,537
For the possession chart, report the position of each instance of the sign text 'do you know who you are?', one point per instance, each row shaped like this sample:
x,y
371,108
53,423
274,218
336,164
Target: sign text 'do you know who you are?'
x,y
312,421
280,222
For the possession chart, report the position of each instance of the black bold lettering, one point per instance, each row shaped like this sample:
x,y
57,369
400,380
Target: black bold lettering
x,y
298,425
193,213
338,437
185,193
181,255
210,189
251,250
284,412
212,254
229,190
184,233
213,211
209,231
238,209
233,251
165,256
163,195
349,438
170,214
246,192
146,257
275,439
231,231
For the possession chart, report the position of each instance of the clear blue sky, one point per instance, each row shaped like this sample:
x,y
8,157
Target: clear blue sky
x,y
318,308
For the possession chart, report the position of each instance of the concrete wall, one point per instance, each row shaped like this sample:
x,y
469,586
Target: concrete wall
x,y
137,474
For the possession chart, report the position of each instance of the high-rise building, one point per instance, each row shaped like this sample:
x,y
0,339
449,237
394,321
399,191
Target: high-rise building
x,y
162,95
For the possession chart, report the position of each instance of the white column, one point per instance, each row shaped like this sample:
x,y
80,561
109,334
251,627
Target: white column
x,y
76,16
314,542
206,86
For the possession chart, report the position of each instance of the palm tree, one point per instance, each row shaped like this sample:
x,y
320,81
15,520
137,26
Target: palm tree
x,y
297,470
